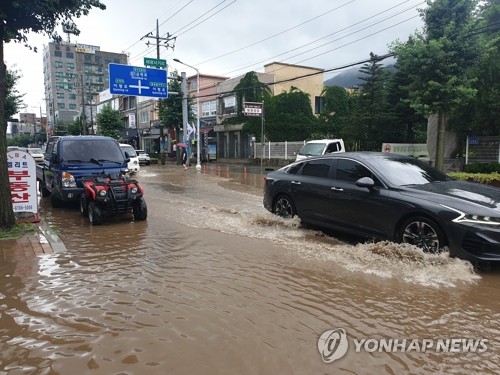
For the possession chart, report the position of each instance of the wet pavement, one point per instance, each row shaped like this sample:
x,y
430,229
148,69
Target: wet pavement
x,y
212,283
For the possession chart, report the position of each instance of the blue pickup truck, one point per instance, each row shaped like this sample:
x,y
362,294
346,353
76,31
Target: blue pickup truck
x,y
68,159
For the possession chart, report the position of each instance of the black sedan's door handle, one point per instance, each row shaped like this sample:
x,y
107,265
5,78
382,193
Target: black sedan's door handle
x,y
296,182
336,188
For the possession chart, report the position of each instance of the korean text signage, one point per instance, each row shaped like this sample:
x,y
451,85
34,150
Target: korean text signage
x,y
155,63
252,109
137,81
22,178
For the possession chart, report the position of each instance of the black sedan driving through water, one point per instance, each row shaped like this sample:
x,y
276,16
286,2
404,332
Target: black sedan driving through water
x,y
389,196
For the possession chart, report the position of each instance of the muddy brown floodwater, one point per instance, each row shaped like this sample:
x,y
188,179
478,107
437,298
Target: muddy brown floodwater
x,y
212,283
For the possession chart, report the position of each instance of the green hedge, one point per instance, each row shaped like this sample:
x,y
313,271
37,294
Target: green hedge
x,y
484,178
482,168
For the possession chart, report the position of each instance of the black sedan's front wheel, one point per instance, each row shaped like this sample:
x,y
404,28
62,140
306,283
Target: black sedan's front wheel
x,y
422,232
283,206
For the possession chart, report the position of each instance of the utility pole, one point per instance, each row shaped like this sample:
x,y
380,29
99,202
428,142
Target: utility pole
x,y
184,106
83,117
160,42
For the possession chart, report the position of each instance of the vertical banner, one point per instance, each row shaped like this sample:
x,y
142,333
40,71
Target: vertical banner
x,y
22,179
131,120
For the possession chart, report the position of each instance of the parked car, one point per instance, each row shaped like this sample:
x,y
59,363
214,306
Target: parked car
x,y
144,158
320,147
130,153
390,196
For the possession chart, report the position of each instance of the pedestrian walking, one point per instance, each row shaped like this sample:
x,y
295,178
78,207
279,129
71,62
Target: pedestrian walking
x,y
185,158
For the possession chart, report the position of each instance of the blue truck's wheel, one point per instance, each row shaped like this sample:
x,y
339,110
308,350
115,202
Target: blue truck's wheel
x,y
44,192
55,200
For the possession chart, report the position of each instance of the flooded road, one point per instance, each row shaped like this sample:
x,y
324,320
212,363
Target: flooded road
x,y
212,283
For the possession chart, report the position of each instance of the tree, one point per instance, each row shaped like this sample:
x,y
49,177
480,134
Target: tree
x,y
482,114
436,62
14,100
170,109
109,122
403,123
17,19
289,116
338,107
249,89
373,113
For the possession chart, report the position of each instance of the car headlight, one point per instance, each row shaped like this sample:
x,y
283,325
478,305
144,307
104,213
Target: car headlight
x,y
133,190
474,219
68,180
103,193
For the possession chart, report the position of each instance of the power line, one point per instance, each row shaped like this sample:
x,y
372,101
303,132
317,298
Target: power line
x,y
349,65
159,39
196,19
352,33
275,35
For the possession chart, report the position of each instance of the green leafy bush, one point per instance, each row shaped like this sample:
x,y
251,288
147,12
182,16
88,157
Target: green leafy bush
x,y
482,168
484,178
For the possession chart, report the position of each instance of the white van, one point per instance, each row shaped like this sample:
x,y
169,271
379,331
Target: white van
x,y
320,147
133,164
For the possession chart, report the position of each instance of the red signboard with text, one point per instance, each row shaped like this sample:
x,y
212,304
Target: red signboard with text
x,y
22,178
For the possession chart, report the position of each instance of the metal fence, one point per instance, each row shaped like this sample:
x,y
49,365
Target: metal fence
x,y
277,150
483,150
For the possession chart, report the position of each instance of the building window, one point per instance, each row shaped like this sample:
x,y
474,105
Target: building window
x,y
58,53
72,96
60,95
192,85
70,66
58,64
213,107
70,55
318,104
209,108
144,117
61,106
87,57
59,75
72,106
229,105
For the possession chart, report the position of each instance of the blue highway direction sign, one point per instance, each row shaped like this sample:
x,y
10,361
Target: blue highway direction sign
x,y
137,81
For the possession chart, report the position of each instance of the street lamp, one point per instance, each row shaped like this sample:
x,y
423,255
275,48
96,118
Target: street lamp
x,y
198,165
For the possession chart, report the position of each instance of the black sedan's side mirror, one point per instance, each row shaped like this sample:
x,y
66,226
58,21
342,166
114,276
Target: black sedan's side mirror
x,y
365,182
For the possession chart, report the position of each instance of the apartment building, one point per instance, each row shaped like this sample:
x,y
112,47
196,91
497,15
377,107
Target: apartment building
x,y
73,74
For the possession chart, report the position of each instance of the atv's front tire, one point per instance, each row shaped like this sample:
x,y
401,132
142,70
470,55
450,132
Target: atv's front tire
x,y
95,214
84,205
140,210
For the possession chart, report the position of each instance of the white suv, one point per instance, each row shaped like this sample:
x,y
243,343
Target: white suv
x,y
129,152
143,157
320,147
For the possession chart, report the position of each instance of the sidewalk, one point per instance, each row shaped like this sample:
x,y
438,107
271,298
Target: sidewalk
x,y
42,241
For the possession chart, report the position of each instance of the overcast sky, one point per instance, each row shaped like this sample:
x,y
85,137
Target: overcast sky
x,y
231,37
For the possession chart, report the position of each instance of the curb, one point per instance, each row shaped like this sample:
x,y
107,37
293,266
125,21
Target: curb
x,y
49,237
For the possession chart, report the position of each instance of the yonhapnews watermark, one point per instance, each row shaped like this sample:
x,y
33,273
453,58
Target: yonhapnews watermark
x,y
334,343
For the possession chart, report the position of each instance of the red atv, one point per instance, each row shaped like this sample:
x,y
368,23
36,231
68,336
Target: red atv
x,y
108,195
